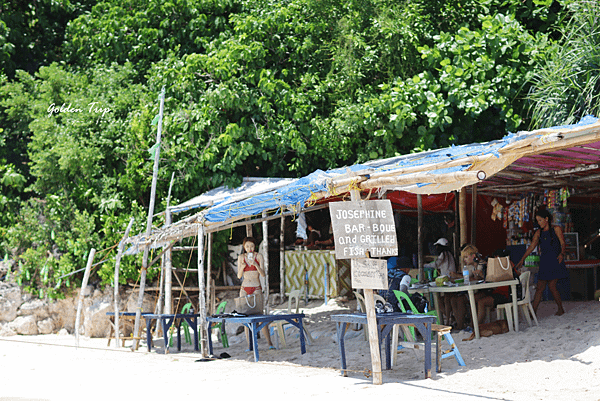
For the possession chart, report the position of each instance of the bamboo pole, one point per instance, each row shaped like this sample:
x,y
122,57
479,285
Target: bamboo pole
x,y
202,294
371,321
168,261
422,178
168,271
138,312
116,278
86,277
420,239
344,181
474,214
265,230
456,233
282,260
463,216
210,307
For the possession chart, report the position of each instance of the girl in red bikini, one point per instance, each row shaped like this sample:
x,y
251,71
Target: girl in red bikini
x,y
249,271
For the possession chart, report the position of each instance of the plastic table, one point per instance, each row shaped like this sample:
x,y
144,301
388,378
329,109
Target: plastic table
x,y
255,323
385,324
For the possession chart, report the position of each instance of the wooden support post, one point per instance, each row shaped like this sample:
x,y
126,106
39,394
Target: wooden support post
x,y
420,238
202,293
456,233
282,260
168,271
463,216
138,312
474,214
371,321
86,277
211,307
248,230
116,279
265,241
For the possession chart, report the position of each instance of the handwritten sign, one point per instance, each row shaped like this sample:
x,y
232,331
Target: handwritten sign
x,y
369,273
364,226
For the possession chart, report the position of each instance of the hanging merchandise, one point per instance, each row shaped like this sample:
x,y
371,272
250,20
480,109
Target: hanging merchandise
x,y
564,194
522,204
497,210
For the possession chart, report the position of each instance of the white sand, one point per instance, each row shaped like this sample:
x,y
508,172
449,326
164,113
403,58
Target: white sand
x,y
559,360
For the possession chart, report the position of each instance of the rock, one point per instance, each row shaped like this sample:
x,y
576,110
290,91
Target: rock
x,y
63,332
88,290
36,307
63,313
147,305
10,301
25,325
45,326
6,331
95,322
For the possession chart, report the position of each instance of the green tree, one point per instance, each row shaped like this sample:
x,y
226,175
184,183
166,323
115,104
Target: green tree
x,y
566,83
33,32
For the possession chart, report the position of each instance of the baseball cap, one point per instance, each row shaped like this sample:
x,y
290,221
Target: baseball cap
x,y
442,242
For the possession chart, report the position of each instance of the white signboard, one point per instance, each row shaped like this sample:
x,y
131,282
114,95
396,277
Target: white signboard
x,y
364,226
369,273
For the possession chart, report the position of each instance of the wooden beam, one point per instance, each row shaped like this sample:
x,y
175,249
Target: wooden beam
x,y
282,259
168,307
86,277
371,322
463,216
474,214
116,279
422,178
203,326
265,241
420,258
138,312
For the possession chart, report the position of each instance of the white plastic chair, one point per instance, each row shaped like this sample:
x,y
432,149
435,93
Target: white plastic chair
x,y
525,304
278,326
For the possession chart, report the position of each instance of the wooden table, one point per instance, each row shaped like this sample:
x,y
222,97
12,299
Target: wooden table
x,y
385,324
471,288
166,321
255,323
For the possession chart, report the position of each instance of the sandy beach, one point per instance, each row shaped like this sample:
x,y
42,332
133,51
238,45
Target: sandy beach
x,y
557,360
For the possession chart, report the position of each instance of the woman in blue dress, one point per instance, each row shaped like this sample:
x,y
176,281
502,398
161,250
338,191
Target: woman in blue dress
x,y
552,255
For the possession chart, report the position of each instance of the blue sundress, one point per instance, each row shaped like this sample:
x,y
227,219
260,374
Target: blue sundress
x,y
550,248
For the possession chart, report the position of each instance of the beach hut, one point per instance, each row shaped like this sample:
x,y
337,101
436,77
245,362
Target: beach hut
x,y
551,158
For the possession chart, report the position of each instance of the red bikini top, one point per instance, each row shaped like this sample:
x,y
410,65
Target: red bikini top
x,y
249,268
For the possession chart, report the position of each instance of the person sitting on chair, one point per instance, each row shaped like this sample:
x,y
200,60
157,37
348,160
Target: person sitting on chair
x,y
473,264
447,267
496,296
249,270
397,279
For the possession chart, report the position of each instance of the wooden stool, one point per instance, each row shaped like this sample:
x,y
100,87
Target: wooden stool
x,y
444,331
441,332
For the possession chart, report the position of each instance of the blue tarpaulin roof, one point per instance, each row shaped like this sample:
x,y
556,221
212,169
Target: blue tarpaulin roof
x,y
431,172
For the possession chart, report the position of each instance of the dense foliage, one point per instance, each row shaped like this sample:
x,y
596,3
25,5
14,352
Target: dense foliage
x,y
253,88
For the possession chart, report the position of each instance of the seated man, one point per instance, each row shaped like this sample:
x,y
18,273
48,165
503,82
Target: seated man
x,y
398,279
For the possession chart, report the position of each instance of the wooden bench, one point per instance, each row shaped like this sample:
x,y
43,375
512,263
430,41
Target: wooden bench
x,y
125,319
